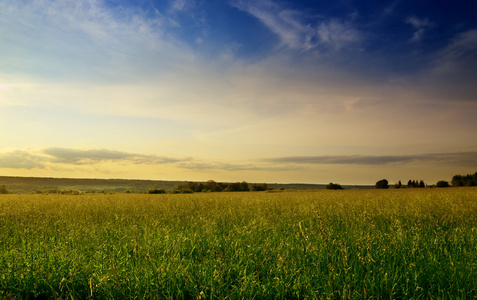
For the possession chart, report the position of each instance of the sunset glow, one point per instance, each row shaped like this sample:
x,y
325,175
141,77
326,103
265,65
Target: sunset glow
x,y
261,91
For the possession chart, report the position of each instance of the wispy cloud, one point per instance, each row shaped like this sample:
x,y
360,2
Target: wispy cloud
x,y
295,32
280,21
85,41
461,158
208,166
453,69
338,34
179,5
421,25
464,44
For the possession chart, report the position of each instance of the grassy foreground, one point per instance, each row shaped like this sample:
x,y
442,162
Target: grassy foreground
x,y
353,244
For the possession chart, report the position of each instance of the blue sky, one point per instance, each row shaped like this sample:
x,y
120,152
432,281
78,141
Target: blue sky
x,y
262,91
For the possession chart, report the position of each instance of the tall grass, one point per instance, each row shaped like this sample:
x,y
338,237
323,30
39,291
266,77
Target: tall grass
x,y
386,244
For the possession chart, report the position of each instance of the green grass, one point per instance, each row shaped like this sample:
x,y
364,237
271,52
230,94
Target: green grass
x,y
353,244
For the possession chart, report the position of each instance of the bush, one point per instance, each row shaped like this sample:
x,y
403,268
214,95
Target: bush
x,y
382,184
3,189
259,187
334,186
442,184
156,191
70,192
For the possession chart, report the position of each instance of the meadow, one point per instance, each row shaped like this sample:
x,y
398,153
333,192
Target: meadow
x,y
351,244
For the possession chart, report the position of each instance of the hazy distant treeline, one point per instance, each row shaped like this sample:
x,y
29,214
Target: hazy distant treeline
x,y
212,186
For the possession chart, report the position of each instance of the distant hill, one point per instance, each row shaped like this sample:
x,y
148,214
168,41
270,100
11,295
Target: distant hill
x,y
306,186
19,185
49,184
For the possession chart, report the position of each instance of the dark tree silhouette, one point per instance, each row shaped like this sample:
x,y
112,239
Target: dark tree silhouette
x,y
334,186
467,180
416,184
3,189
259,187
442,184
382,184
156,191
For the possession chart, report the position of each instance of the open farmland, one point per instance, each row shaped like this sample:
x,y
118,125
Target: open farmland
x,y
400,243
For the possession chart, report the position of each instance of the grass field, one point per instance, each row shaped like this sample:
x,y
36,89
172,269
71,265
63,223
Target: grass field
x,y
352,244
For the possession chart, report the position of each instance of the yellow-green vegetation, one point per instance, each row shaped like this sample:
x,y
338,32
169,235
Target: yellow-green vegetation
x,y
352,244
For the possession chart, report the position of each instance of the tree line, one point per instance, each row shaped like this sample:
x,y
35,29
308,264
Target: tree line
x,y
213,186
457,180
467,180
384,184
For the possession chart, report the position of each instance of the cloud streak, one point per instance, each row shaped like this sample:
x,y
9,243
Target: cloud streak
x,y
451,74
295,33
92,156
420,25
208,166
21,159
460,158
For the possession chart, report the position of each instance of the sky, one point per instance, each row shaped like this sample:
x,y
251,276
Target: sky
x,y
274,91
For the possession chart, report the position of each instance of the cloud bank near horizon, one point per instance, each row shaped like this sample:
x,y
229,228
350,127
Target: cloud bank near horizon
x,y
466,158
29,159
